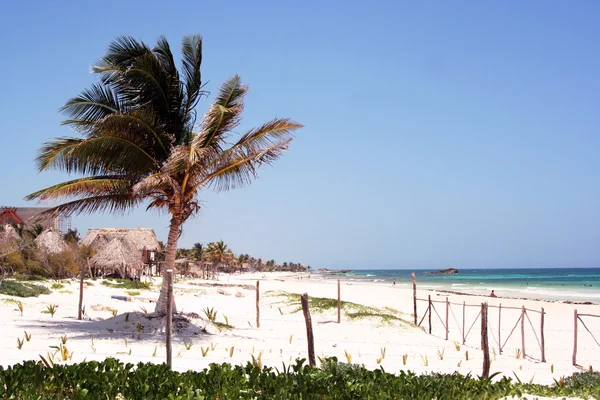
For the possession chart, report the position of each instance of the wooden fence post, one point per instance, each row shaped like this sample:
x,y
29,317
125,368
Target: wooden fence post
x,y
339,303
523,331
169,323
484,340
258,304
80,310
429,310
499,328
575,339
309,331
542,341
447,309
414,279
464,317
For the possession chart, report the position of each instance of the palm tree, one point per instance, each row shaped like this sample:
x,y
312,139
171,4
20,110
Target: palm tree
x,y
139,144
198,251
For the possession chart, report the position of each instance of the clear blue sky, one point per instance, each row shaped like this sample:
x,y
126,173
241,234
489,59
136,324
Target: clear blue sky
x,y
438,134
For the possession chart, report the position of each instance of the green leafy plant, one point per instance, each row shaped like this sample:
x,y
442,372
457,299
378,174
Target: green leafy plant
x,y
57,286
22,289
187,345
51,309
20,343
64,338
27,336
133,292
210,314
204,351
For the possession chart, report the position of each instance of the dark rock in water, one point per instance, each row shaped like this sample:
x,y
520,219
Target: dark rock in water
x,y
447,271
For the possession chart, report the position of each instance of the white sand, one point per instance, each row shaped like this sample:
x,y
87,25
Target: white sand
x,y
282,335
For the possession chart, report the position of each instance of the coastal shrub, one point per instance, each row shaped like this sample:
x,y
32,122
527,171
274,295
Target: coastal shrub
x,y
112,379
22,289
62,265
126,284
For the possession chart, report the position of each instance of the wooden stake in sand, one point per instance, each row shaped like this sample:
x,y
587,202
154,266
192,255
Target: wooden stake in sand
x,y
484,340
80,310
414,279
464,317
429,311
258,304
543,341
499,326
575,339
523,331
339,304
169,323
309,331
447,309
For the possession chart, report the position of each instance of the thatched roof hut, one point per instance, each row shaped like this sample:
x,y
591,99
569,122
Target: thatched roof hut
x,y
141,238
120,251
51,242
118,257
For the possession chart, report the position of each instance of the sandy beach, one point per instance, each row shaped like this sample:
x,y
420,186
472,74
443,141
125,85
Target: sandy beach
x,y
373,341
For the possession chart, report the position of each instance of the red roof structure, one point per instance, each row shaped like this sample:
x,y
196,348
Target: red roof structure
x,y
8,215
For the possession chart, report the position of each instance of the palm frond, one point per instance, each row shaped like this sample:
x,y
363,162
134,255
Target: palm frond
x,y
163,51
110,203
121,53
97,155
55,154
224,115
92,104
82,187
238,167
268,134
191,54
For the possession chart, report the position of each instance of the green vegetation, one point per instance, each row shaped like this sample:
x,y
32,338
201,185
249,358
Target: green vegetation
x,y
112,379
22,289
352,311
57,285
126,284
133,292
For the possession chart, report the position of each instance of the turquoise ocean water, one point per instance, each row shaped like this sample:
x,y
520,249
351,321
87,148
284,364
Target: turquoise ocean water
x,y
564,284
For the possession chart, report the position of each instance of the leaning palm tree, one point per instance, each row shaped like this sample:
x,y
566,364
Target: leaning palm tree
x,y
140,143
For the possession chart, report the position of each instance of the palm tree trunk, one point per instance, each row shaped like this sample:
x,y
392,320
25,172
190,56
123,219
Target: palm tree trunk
x,y
161,303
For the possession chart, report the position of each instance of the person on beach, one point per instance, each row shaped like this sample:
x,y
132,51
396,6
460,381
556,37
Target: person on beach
x,y
493,294
394,284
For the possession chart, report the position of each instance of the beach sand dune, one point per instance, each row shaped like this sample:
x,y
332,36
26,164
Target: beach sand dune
x,y
375,331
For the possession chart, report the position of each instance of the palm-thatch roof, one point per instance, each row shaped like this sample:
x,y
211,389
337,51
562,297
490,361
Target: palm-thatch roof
x,y
140,238
119,256
9,234
118,250
51,242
